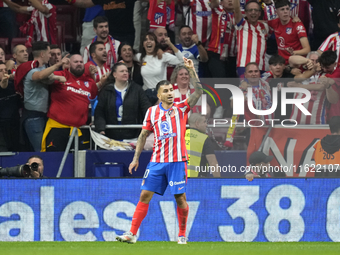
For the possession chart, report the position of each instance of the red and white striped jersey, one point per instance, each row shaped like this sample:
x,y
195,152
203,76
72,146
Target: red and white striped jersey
x,y
294,8
178,97
198,17
332,43
111,46
45,24
316,105
269,11
169,128
251,43
2,4
223,32
262,100
100,71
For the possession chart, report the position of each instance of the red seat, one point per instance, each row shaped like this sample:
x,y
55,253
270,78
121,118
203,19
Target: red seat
x,y
4,43
61,35
16,41
70,15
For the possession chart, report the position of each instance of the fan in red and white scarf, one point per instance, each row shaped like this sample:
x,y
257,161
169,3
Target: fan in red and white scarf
x,y
42,23
111,46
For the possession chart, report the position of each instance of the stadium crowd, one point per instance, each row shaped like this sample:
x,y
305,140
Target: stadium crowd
x,y
266,44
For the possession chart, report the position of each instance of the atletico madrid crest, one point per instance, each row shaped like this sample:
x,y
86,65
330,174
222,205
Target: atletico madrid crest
x,y
159,17
288,30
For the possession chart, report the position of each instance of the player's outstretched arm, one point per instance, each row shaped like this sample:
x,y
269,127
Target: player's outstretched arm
x,y
192,100
139,148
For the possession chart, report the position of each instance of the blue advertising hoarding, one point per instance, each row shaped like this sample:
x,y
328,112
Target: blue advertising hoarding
x,y
220,210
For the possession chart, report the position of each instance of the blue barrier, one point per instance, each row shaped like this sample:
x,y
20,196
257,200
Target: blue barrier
x,y
220,210
52,161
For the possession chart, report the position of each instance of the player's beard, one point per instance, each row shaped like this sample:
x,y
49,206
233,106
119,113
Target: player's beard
x,y
77,72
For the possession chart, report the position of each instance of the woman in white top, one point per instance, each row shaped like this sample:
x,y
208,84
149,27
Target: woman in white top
x,y
153,68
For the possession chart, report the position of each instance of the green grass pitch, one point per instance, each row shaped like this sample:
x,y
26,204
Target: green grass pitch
x,y
165,248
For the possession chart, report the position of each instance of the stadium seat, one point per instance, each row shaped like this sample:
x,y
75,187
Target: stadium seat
x,y
70,16
4,45
61,35
16,41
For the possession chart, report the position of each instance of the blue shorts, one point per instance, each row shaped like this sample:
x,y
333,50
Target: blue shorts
x,y
158,176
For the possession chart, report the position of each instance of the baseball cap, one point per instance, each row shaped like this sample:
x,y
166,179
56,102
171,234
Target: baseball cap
x,y
258,157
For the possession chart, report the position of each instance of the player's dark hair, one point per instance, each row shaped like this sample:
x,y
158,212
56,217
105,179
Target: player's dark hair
x,y
327,58
276,59
161,83
93,47
99,19
38,47
35,156
334,124
253,1
250,64
2,63
281,3
184,26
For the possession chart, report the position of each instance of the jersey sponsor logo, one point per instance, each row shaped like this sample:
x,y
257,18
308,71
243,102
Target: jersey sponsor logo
x,y
288,30
113,5
79,91
203,13
171,183
300,29
165,127
179,183
282,41
166,136
159,18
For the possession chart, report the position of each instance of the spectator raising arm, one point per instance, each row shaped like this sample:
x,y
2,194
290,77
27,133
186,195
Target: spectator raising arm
x,y
15,7
237,11
39,6
45,73
201,50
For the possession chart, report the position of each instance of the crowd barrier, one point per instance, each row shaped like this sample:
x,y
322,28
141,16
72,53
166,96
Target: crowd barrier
x,y
220,210
93,162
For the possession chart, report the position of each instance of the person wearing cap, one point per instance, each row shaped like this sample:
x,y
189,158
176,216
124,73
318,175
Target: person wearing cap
x,y
259,165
